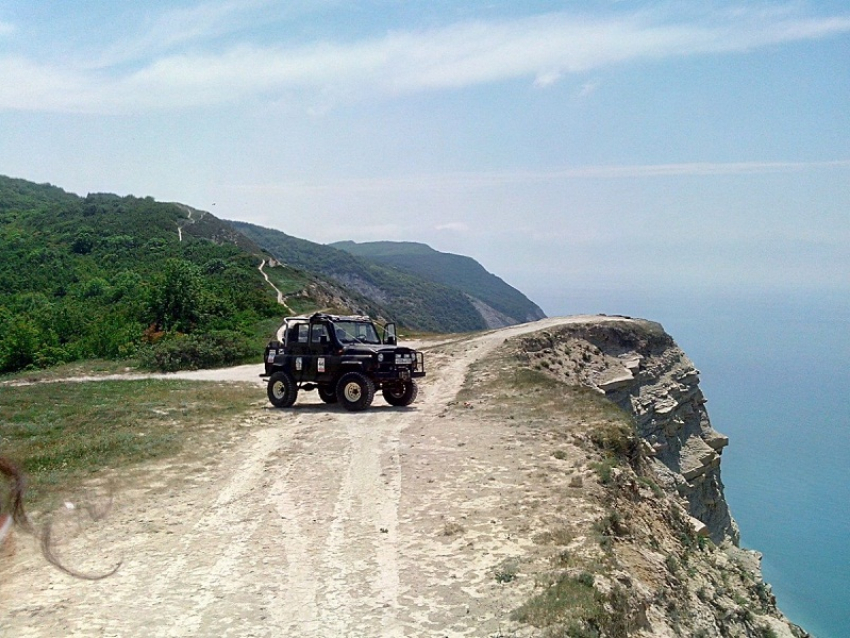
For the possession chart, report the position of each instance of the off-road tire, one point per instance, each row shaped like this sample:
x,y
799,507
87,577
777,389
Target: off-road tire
x,y
355,391
401,394
282,389
327,394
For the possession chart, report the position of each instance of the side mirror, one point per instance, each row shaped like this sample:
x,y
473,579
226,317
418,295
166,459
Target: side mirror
x,y
390,338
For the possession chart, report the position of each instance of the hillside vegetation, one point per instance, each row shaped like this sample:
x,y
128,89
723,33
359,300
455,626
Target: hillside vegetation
x,y
458,271
413,300
172,287
104,276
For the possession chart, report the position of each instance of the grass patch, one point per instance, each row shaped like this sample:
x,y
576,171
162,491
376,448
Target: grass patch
x,y
568,600
571,606
85,368
533,395
560,535
62,432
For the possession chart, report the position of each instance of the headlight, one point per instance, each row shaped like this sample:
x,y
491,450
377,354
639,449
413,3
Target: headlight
x,y
380,358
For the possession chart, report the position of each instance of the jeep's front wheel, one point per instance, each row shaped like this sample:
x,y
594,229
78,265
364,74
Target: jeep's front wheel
x,y
401,394
355,391
282,389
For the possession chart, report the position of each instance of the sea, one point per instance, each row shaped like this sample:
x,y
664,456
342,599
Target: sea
x,y
775,368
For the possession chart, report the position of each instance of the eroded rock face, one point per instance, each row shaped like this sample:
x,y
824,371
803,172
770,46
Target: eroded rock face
x,y
639,367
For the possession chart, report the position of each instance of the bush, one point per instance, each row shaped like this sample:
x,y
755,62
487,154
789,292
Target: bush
x,y
617,439
191,352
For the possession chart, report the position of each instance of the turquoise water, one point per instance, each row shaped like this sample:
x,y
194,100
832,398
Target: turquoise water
x,y
776,372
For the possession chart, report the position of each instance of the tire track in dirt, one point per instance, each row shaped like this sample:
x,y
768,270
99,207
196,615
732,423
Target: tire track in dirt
x,y
347,578
225,514
312,522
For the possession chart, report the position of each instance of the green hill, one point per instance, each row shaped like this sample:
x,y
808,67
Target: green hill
x,y
410,299
104,276
170,286
464,273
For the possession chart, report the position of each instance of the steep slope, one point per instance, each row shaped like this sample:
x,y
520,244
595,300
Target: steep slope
x,y
500,304
661,557
412,300
638,367
107,276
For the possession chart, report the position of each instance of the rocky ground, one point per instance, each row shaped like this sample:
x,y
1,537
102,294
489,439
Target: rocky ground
x,y
441,519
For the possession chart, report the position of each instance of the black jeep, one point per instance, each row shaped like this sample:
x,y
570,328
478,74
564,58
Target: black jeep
x,y
343,358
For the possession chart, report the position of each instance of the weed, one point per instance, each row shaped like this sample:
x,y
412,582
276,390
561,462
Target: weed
x,y
603,470
652,485
507,571
586,579
563,559
768,632
672,564
764,594
559,454
612,524
616,439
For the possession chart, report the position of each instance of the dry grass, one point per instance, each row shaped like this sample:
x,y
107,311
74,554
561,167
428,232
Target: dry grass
x,y
62,432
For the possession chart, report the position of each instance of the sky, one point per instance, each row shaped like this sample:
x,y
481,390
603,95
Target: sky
x,y
578,144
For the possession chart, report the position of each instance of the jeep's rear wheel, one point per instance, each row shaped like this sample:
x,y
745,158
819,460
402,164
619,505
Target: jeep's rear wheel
x,y
401,393
282,389
327,394
355,391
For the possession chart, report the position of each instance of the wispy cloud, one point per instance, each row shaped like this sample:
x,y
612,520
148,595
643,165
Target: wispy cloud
x,y
542,48
547,78
457,227
180,27
587,89
468,180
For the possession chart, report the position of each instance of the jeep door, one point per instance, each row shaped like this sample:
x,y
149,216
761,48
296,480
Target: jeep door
x,y
297,349
321,349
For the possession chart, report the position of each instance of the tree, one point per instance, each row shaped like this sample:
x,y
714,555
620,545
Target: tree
x,y
177,296
18,346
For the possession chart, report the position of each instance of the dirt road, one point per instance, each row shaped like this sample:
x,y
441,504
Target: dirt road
x,y
310,521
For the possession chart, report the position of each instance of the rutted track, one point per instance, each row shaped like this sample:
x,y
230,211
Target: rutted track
x,y
312,521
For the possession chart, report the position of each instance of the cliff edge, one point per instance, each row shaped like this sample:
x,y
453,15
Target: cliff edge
x,y
670,564
637,365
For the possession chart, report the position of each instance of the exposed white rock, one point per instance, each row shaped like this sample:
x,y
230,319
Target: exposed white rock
x,y
700,528
617,380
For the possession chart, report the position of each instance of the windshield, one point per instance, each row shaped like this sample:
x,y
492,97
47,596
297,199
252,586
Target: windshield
x,y
356,332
